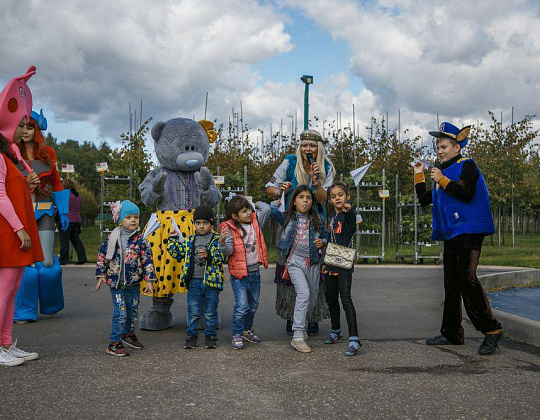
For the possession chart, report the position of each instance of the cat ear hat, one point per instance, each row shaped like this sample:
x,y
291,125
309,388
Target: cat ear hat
x,y
16,104
40,119
450,131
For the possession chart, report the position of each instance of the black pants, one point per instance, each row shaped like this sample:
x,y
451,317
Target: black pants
x,y
71,234
460,282
340,286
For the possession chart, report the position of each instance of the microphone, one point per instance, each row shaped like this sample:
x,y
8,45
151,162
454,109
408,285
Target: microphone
x,y
309,157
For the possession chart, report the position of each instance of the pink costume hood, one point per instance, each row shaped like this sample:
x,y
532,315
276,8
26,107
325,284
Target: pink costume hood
x,y
15,104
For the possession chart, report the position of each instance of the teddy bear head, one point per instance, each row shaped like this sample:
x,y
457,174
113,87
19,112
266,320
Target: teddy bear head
x,y
182,144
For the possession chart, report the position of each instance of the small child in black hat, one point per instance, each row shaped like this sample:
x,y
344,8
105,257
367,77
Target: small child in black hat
x,y
202,274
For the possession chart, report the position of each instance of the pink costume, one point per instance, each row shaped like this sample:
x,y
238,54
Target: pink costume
x,y
15,104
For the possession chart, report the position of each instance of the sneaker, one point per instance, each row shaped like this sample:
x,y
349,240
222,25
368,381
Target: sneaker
x,y
22,322
117,349
300,345
250,337
490,344
132,341
191,342
334,336
237,343
8,360
210,341
352,350
440,340
21,354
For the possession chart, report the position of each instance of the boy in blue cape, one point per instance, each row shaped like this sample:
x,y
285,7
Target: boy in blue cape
x,y
461,218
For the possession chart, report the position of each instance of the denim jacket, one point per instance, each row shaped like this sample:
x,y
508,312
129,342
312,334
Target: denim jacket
x,y
286,240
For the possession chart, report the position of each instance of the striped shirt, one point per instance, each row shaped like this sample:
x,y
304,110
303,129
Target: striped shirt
x,y
74,208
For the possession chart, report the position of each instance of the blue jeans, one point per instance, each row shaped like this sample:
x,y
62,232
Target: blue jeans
x,y
198,294
246,301
125,308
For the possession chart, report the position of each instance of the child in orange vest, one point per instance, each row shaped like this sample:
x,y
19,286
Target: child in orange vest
x,y
242,241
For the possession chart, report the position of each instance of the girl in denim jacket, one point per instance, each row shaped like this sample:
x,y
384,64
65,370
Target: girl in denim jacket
x,y
301,241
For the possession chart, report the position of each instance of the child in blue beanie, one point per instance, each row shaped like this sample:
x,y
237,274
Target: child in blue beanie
x,y
124,260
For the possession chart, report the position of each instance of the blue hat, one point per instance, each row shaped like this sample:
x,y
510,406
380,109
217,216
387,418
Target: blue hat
x,y
127,208
450,131
40,119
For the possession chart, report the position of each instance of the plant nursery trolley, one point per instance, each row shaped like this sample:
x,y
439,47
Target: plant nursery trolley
x,y
371,218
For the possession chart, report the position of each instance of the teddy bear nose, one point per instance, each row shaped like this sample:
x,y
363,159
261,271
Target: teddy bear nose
x,y
192,163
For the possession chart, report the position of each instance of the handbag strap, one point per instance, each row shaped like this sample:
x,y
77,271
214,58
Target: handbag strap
x,y
333,234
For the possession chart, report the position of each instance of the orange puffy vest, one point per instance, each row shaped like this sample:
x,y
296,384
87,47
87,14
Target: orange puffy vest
x,y
237,260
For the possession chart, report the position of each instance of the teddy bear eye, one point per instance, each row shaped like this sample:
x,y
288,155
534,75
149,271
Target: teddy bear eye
x,y
192,147
187,147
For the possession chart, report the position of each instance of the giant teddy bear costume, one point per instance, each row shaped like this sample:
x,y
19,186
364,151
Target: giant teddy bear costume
x,y
174,189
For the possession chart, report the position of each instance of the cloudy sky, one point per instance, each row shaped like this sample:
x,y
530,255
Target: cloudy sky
x,y
423,57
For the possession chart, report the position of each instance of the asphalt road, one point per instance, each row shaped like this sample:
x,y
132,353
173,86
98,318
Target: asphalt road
x,y
395,375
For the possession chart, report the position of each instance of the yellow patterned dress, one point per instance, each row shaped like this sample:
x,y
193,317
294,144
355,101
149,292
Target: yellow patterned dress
x,y
168,270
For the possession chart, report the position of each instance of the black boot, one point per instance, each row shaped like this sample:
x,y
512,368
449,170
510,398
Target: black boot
x,y
288,328
313,328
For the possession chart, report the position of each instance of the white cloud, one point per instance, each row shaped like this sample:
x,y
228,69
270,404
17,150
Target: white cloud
x,y
93,58
457,58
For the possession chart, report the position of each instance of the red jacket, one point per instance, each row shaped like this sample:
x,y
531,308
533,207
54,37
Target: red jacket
x,y
237,260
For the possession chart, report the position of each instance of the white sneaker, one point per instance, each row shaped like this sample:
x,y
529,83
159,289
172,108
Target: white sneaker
x,y
300,345
7,359
21,354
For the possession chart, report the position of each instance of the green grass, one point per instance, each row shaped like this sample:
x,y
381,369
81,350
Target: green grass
x,y
524,254
91,240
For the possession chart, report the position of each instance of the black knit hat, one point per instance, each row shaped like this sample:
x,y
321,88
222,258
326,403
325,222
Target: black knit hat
x,y
204,213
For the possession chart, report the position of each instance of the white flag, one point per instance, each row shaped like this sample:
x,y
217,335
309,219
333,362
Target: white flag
x,y
177,230
282,204
427,164
359,173
151,226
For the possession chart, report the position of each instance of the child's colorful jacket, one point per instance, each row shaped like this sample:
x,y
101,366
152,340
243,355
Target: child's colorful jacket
x,y
213,271
138,263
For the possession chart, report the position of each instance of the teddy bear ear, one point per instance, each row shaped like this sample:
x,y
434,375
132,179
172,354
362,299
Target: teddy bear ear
x,y
157,129
209,128
463,133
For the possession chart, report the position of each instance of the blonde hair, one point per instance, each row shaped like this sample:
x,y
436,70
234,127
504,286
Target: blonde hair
x,y
300,173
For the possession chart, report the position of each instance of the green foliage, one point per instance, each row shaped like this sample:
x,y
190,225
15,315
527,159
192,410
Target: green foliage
x,y
89,205
130,160
84,157
507,157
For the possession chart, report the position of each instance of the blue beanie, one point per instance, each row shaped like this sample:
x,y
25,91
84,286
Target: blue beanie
x,y
128,208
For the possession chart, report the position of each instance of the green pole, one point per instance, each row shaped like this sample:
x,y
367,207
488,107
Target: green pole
x,y
306,106
308,80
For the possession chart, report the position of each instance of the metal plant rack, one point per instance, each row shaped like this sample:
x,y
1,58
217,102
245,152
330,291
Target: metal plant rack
x,y
105,182
224,191
418,245
370,210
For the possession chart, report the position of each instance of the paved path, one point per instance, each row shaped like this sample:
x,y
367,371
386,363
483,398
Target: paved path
x,y
394,376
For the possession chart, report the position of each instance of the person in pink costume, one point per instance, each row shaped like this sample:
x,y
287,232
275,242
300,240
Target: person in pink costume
x,y
20,245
